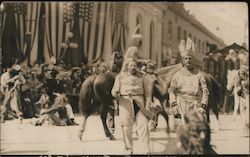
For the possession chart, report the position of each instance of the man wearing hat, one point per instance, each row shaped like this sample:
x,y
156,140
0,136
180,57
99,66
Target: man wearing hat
x,y
188,89
10,87
128,86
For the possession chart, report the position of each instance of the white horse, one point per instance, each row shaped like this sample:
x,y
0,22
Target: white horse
x,y
241,103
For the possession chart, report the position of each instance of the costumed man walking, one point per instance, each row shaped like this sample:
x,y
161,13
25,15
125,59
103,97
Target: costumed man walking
x,y
188,88
129,88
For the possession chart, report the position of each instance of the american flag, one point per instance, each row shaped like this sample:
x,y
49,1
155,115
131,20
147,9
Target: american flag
x,y
91,24
58,19
32,22
118,27
20,11
100,26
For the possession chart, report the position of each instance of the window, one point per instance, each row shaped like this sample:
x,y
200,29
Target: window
x,y
203,47
185,34
195,40
190,35
170,29
151,39
207,47
139,21
199,45
179,33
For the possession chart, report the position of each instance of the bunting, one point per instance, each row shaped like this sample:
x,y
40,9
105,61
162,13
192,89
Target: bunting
x,y
2,19
118,27
32,21
93,22
98,28
20,11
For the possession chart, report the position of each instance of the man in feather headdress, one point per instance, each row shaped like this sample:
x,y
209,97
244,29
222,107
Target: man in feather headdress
x,y
188,88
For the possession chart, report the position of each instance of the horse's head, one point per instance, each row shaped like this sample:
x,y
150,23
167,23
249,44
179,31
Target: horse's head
x,y
231,79
116,61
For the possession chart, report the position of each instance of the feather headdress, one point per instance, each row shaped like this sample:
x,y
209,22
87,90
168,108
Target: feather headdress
x,y
186,47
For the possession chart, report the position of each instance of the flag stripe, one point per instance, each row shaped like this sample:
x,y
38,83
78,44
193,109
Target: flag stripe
x,y
101,30
97,29
30,23
47,29
53,26
81,27
35,21
21,31
17,30
34,44
28,16
61,29
108,34
86,31
3,25
113,18
122,39
50,28
57,29
92,32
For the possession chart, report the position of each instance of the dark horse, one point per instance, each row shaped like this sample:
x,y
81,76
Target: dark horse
x,y
95,94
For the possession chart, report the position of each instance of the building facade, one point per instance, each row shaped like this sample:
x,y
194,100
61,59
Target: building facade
x,y
163,25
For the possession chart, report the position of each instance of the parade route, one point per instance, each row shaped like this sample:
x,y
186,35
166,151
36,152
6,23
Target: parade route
x,y
41,140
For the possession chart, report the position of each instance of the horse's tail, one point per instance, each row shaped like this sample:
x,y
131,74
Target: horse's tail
x,y
85,96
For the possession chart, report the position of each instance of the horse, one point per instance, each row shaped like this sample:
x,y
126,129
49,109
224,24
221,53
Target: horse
x,y
95,93
232,77
159,89
213,85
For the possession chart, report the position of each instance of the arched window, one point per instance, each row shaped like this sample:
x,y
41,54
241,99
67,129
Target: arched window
x,y
151,39
199,45
190,35
170,25
195,40
139,21
179,33
203,47
185,34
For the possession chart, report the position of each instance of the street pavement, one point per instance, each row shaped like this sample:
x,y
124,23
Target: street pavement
x,y
54,140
